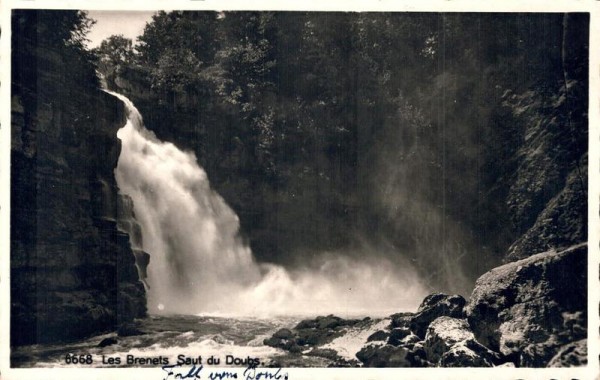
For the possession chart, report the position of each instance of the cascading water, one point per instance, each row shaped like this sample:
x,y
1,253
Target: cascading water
x,y
199,265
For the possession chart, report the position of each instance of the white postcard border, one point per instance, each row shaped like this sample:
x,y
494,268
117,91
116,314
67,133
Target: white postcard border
x,y
592,371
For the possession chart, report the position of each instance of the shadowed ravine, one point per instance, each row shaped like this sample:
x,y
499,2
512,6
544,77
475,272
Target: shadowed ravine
x,y
371,189
200,265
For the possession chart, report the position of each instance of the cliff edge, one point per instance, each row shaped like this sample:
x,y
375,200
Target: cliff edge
x,y
73,272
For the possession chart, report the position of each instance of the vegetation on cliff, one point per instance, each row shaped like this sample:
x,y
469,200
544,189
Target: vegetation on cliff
x,y
433,136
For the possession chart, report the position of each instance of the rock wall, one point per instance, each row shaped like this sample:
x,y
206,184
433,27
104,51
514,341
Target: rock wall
x,y
547,190
72,270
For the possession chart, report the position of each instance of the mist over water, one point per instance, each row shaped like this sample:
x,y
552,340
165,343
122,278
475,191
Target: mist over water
x,y
199,265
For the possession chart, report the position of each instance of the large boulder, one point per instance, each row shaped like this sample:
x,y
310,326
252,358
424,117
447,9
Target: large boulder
x,y
401,319
450,342
418,356
443,333
397,336
379,335
283,334
108,342
529,309
373,355
313,333
434,306
467,355
329,322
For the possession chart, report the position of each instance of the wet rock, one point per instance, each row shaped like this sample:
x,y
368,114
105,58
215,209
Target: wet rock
x,y
434,306
419,349
378,336
410,340
306,324
431,301
107,342
507,365
129,329
450,342
418,357
401,319
311,332
142,259
315,337
328,322
383,356
295,349
443,333
461,355
327,353
571,355
529,309
344,363
397,335
284,344
272,342
284,334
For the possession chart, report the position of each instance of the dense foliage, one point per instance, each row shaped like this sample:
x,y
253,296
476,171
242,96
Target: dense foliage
x,y
340,131
58,32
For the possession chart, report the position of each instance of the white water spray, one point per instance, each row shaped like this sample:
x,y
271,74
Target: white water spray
x,y
199,265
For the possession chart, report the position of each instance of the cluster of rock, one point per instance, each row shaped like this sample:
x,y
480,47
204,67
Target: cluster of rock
x,y
438,334
529,313
310,335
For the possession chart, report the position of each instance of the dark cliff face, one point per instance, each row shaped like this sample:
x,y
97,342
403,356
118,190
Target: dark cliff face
x,y
547,193
72,271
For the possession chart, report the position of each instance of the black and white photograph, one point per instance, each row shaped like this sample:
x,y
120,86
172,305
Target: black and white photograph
x,y
225,194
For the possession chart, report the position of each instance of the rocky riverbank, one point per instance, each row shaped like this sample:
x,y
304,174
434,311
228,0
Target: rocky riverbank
x,y
527,313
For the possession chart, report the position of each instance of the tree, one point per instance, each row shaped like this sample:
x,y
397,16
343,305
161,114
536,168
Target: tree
x,y
61,32
113,54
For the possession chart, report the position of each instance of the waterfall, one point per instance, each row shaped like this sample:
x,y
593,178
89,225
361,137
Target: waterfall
x,y
200,265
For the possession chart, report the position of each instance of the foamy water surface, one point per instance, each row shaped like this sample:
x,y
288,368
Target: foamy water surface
x,y
169,337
